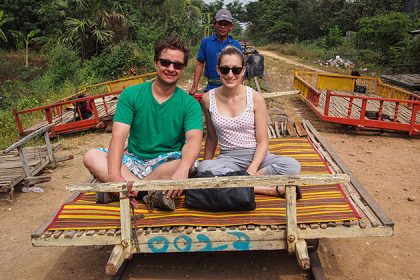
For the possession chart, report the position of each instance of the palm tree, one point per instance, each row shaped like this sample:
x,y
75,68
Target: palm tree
x,y
92,25
3,21
23,40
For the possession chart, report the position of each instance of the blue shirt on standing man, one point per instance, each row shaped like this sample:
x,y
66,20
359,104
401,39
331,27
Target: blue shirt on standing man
x,y
210,48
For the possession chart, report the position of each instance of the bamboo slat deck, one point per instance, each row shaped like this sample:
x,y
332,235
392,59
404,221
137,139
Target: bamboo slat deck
x,y
292,236
11,167
22,165
411,81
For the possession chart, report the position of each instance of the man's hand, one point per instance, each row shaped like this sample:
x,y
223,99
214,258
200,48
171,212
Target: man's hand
x,y
178,174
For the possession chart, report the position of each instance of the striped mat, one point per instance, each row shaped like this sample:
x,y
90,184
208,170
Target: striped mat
x,y
324,203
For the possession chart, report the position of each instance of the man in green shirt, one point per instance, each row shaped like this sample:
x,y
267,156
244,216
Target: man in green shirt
x,y
163,124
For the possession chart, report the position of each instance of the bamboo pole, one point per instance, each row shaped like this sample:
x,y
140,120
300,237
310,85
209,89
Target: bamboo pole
x,y
214,182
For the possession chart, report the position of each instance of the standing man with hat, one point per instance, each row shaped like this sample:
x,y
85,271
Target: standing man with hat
x,y
210,48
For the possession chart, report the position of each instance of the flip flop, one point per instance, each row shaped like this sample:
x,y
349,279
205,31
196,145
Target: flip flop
x,y
298,193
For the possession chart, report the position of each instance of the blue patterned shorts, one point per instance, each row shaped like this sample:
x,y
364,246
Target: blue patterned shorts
x,y
142,168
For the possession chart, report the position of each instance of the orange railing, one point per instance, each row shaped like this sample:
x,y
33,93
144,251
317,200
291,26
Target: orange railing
x,y
311,84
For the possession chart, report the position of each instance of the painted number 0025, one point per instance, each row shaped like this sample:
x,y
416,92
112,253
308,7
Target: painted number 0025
x,y
183,243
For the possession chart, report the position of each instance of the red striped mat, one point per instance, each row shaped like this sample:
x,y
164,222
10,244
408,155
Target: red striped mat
x,y
324,203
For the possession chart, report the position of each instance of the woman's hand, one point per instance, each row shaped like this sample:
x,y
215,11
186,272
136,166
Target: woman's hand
x,y
251,171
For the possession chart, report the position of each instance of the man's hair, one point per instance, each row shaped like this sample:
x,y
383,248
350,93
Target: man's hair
x,y
172,43
229,50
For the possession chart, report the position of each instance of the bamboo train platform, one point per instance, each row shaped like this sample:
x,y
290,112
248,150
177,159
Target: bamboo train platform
x,y
362,102
70,113
334,205
410,81
20,165
69,117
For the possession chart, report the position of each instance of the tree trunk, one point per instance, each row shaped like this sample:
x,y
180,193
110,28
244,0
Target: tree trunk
x,y
27,56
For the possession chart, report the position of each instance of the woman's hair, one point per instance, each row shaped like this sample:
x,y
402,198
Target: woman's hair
x,y
230,50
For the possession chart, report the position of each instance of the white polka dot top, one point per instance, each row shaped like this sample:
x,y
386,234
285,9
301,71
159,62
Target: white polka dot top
x,y
238,132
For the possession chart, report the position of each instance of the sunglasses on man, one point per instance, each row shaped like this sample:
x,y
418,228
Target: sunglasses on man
x,y
166,63
235,70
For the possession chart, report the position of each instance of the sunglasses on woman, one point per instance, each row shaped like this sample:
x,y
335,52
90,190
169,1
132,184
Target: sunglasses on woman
x,y
235,70
165,63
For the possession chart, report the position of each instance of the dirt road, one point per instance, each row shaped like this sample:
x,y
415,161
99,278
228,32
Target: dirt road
x,y
387,166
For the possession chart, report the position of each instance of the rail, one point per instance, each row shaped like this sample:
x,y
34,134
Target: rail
x,y
118,85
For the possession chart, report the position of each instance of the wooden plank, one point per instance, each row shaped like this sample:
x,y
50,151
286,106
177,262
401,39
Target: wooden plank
x,y
302,254
215,182
17,164
70,233
37,180
28,137
49,150
273,237
291,130
277,129
24,162
125,225
354,181
292,229
300,130
57,233
111,232
189,230
90,232
273,132
115,260
267,95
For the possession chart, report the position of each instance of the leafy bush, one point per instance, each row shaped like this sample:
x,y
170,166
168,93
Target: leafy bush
x,y
8,129
63,64
383,36
28,73
334,38
113,63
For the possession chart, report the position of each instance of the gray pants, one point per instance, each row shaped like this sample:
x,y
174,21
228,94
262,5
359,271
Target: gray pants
x,y
237,160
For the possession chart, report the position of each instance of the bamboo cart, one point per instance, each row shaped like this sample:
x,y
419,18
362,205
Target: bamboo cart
x,y
20,165
297,238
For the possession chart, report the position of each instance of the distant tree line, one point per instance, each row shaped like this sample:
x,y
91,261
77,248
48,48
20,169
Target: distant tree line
x,y
110,31
379,28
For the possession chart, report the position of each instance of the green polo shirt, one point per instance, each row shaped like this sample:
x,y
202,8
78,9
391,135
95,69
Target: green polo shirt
x,y
157,128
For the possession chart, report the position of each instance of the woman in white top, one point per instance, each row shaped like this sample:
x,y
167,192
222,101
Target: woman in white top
x,y
236,117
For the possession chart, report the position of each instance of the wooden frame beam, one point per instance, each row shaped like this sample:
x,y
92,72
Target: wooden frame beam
x,y
22,141
353,180
214,182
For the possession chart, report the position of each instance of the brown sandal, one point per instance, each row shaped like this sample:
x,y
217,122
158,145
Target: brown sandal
x,y
159,200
